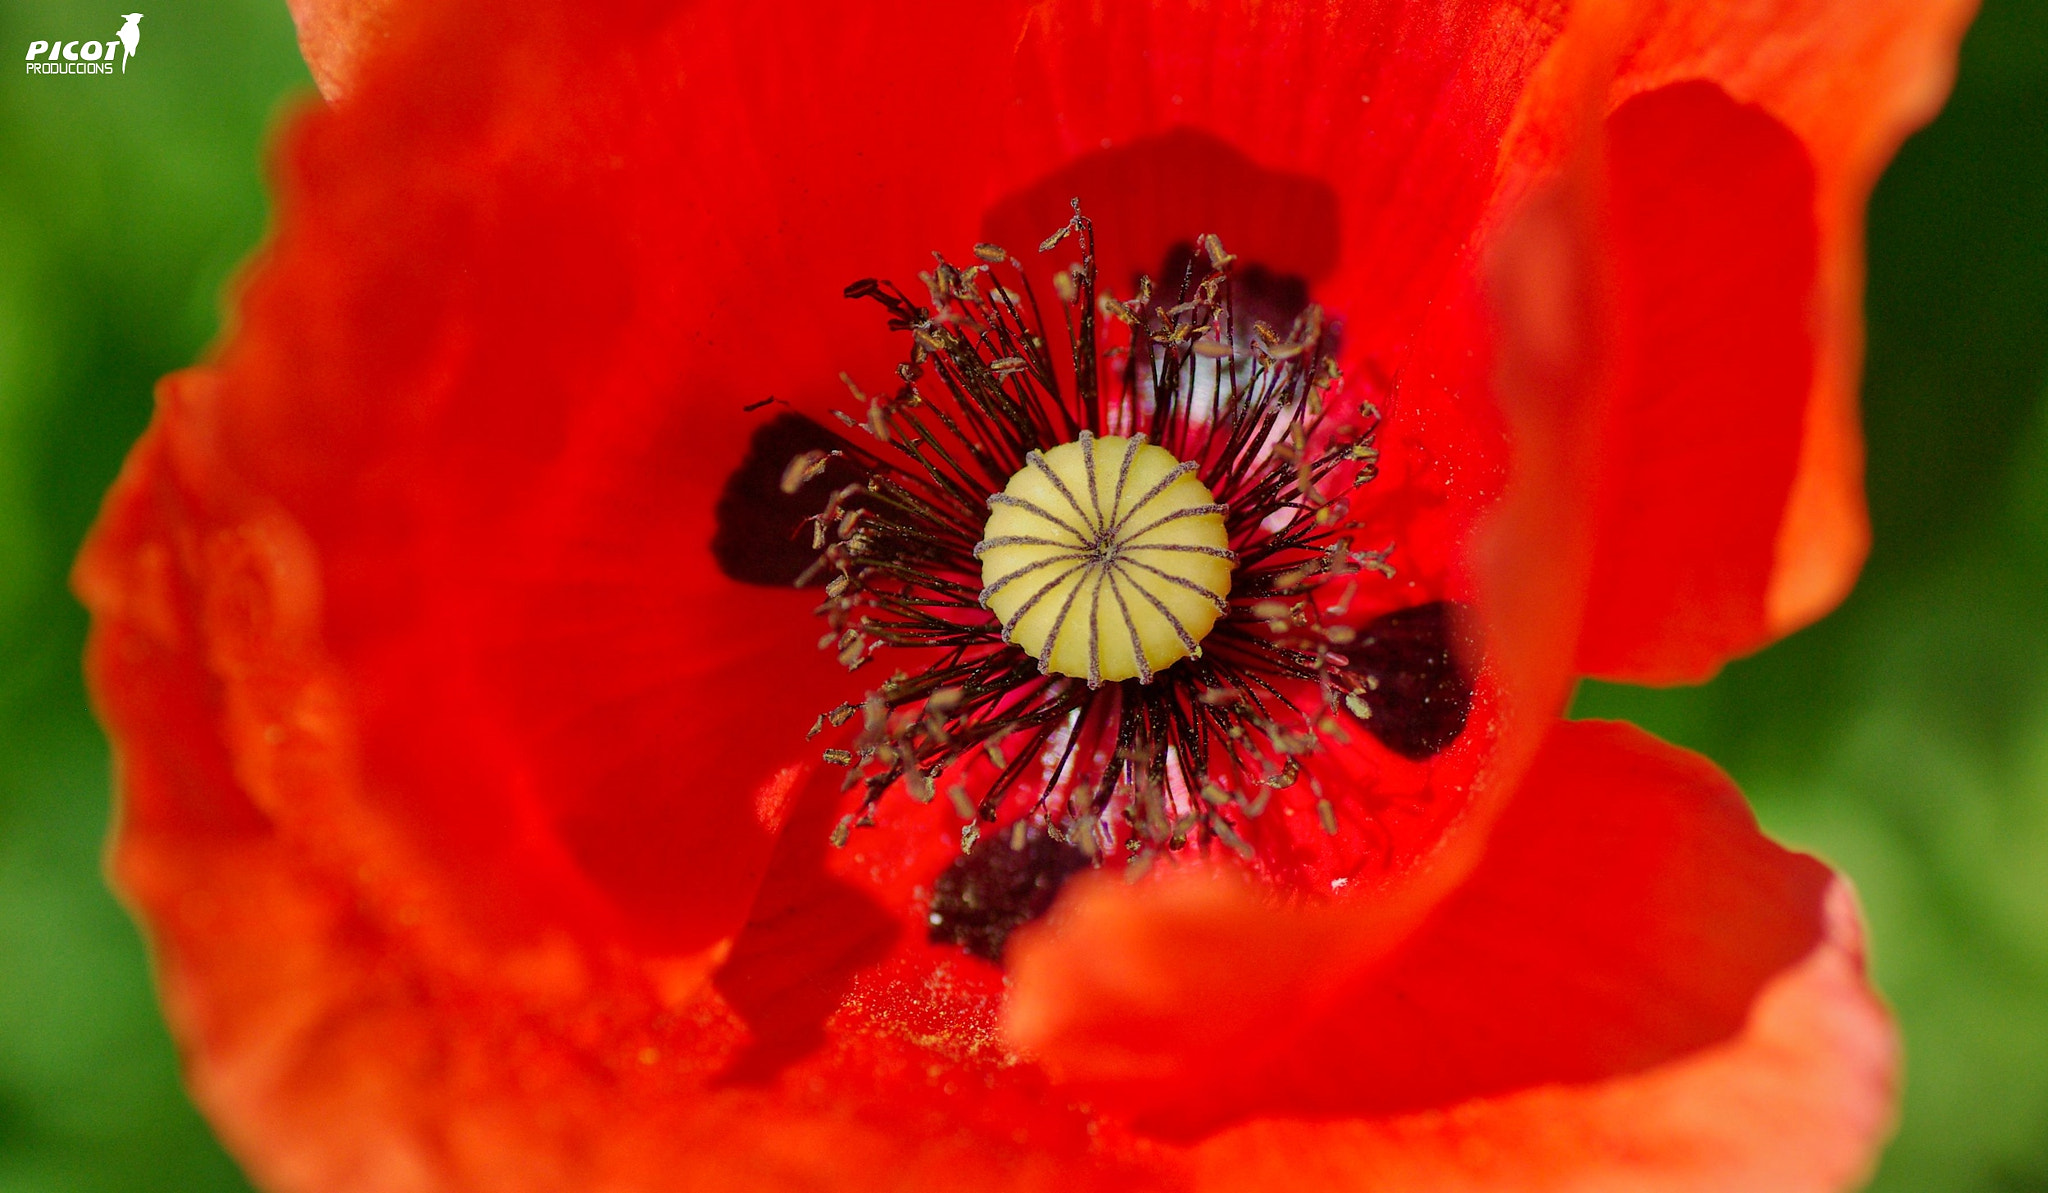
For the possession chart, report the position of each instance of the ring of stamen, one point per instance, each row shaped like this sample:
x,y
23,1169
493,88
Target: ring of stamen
x,y
982,446
1106,559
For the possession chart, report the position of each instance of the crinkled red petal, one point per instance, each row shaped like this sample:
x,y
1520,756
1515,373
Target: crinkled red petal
x,y
1798,1102
1742,147
1626,913
1712,240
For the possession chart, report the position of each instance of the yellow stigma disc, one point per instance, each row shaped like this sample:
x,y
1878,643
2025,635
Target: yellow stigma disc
x,y
1105,559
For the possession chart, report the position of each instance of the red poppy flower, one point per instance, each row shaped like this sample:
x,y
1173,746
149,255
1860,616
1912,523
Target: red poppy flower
x,y
445,629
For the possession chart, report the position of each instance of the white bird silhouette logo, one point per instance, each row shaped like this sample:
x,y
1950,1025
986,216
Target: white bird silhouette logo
x,y
131,36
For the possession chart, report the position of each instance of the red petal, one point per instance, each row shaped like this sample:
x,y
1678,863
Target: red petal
x,y
1626,912
1851,79
1735,511
1796,1103
1712,236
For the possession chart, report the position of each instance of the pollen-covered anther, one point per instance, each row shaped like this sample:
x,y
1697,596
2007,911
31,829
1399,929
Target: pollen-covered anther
x,y
1106,559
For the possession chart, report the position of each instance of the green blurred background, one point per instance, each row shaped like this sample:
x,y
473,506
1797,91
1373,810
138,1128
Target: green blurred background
x,y
1905,738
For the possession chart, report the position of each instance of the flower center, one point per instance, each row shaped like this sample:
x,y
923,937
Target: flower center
x,y
1106,559
1119,601
1099,584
